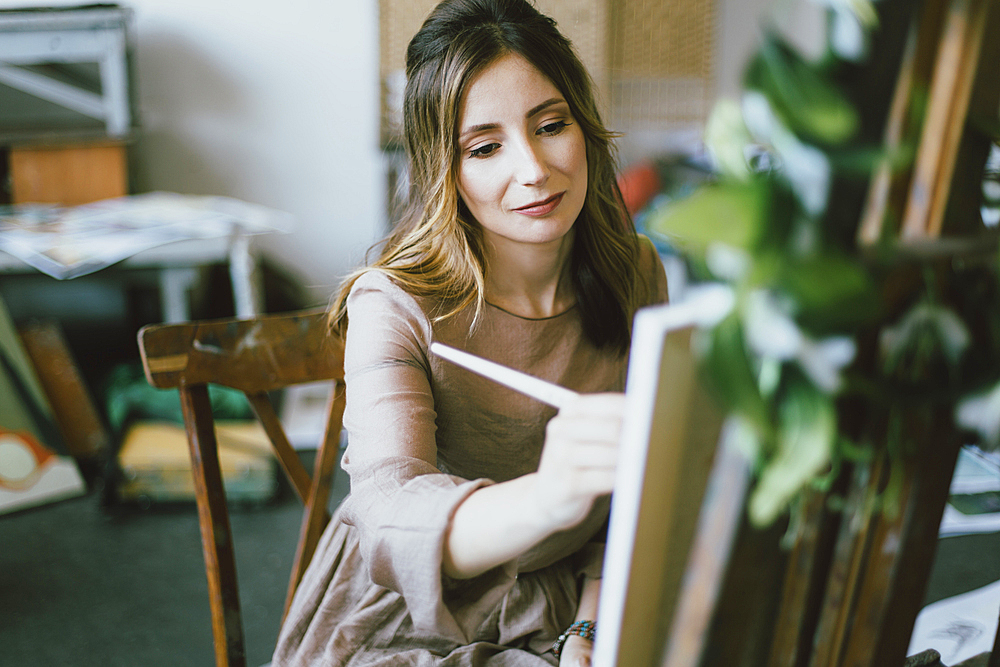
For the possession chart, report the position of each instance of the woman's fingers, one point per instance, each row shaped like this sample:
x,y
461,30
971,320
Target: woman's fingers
x,y
576,652
609,405
590,418
593,483
580,455
577,430
594,457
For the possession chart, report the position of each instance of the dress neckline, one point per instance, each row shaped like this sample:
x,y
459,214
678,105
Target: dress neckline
x,y
533,319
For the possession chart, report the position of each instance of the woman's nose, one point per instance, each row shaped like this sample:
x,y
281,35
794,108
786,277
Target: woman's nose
x,y
532,167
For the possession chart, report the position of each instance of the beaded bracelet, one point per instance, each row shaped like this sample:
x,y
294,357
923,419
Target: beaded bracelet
x,y
585,629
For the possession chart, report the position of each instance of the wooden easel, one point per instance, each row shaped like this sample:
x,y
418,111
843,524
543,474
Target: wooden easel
x,y
848,593
853,590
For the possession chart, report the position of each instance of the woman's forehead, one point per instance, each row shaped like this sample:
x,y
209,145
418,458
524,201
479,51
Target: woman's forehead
x,y
509,88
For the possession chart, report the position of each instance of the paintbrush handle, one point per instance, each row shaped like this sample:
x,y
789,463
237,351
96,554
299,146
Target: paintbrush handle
x,y
541,390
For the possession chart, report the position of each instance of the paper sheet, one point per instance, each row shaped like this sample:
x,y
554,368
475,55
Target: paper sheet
x,y
974,500
958,627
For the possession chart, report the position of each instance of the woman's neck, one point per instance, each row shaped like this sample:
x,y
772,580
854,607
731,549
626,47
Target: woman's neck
x,y
532,282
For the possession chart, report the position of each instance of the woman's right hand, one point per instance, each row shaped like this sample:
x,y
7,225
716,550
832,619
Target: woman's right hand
x,y
576,652
500,522
579,458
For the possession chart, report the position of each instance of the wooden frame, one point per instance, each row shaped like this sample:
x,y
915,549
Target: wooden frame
x,y
850,589
668,447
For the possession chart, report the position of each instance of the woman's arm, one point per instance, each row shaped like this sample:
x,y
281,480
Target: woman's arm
x,y
400,504
576,651
499,523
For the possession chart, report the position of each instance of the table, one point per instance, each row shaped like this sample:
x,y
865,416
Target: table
x,y
171,233
178,266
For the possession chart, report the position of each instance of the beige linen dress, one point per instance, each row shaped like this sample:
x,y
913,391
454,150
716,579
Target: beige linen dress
x,y
423,435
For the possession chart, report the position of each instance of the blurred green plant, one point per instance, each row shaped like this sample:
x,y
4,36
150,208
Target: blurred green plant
x,y
785,363
129,396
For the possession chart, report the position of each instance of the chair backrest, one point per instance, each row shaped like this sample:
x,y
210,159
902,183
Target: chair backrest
x,y
256,356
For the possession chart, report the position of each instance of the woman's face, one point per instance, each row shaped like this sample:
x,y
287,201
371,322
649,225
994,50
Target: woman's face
x,y
523,162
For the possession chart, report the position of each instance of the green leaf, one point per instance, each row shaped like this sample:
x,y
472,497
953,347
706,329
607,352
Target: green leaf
x,y
927,335
732,376
730,213
862,161
810,104
808,429
726,136
830,291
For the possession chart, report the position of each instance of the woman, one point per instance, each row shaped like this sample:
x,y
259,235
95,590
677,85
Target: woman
x,y
473,531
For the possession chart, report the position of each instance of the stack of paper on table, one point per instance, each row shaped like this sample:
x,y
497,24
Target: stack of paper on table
x,y
974,501
958,627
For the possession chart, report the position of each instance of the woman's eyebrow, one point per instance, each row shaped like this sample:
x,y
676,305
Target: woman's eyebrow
x,y
543,106
479,128
537,109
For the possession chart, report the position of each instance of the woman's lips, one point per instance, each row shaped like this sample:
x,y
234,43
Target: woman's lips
x,y
541,208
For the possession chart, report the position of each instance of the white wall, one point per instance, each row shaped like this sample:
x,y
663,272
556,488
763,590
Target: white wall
x,y
270,102
274,103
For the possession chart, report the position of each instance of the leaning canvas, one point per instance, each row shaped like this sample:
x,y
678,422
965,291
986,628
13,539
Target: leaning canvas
x,y
32,472
678,499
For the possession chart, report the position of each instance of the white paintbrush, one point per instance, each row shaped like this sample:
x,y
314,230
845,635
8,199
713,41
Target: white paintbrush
x,y
546,392
706,307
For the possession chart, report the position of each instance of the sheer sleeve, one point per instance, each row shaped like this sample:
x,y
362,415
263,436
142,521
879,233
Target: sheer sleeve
x,y
401,504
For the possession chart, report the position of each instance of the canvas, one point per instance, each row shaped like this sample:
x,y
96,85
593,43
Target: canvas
x,y
32,468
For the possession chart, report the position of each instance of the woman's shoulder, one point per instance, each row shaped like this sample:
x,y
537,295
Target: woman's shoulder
x,y
647,251
378,294
379,286
651,274
374,280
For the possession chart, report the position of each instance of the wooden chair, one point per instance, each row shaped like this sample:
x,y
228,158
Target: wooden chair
x,y
256,356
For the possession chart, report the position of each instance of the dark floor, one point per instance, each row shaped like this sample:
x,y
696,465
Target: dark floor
x,y
80,585
964,564
83,586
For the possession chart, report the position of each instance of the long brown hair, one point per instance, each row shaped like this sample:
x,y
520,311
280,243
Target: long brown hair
x,y
437,248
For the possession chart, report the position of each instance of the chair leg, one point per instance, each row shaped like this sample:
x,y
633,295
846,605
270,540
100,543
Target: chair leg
x,y
287,456
316,516
216,536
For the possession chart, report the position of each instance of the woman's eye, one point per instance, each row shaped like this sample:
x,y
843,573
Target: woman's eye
x,y
484,151
553,128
